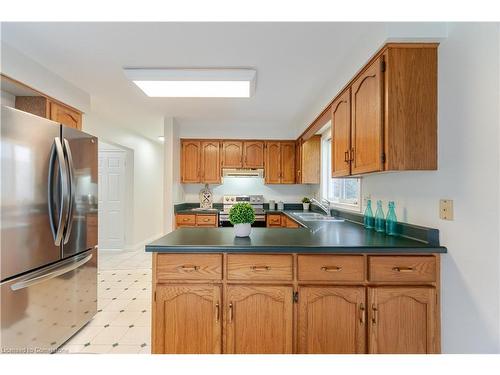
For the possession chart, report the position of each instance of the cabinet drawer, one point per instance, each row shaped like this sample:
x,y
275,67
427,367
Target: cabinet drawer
x,y
274,220
189,267
331,268
206,220
402,268
185,220
259,267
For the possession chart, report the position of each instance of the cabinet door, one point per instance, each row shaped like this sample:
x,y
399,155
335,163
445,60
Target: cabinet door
x,y
341,135
253,154
367,120
187,319
273,163
331,320
298,162
402,320
210,162
288,162
190,161
259,319
65,116
232,154
311,160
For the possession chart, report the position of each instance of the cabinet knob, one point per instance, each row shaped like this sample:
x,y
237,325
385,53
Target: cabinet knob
x,y
260,268
331,268
190,268
403,269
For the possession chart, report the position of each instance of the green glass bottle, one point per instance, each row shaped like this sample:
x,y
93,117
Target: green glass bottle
x,y
379,218
391,221
368,219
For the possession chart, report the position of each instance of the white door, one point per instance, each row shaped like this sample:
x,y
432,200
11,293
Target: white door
x,y
111,199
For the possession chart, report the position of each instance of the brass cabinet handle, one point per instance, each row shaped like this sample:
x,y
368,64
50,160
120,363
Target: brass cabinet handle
x,y
346,156
260,268
374,317
362,313
352,155
217,312
185,219
206,220
331,268
403,269
230,312
190,268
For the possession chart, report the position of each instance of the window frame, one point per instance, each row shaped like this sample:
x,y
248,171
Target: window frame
x,y
325,180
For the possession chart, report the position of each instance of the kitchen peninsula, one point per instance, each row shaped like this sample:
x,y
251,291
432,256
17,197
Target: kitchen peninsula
x,y
325,287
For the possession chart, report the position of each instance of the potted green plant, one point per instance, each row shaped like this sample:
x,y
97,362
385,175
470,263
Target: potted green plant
x,y
242,215
306,202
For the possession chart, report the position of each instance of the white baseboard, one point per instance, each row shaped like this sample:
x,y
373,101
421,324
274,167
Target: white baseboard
x,y
143,243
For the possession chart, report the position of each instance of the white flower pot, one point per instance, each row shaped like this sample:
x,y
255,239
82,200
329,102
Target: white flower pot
x,y
306,206
242,230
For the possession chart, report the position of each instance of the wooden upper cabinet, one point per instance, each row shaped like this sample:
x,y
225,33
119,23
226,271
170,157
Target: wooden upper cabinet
x,y
280,162
331,320
253,154
259,319
187,319
402,320
273,162
341,135
210,162
367,120
190,161
65,115
410,132
232,154
287,162
310,161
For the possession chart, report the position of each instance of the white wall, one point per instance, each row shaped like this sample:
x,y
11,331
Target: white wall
x,y
173,190
250,185
7,98
148,214
20,67
469,174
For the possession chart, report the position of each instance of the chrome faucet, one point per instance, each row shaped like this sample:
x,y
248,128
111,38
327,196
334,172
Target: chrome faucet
x,y
324,205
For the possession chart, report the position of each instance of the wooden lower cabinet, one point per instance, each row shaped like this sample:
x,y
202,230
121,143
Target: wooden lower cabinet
x,y
332,320
187,319
259,319
402,320
247,304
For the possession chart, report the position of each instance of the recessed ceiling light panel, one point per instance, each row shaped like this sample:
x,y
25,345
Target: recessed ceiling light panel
x,y
194,83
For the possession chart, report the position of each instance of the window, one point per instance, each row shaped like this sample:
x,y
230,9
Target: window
x,y
342,192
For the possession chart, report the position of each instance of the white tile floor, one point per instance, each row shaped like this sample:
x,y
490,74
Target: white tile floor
x,y
123,320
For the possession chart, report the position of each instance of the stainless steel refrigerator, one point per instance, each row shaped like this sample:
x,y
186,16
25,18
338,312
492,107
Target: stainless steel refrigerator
x,y
48,232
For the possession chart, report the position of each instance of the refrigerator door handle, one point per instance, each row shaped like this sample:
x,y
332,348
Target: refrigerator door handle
x,y
57,152
72,188
64,268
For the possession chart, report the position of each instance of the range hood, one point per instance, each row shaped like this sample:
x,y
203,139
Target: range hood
x,y
259,173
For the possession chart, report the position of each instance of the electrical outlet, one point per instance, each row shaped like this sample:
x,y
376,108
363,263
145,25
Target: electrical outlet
x,y
446,209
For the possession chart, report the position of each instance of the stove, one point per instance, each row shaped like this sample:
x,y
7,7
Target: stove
x,y
257,202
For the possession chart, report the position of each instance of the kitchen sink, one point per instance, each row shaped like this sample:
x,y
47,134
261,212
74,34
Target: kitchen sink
x,y
313,216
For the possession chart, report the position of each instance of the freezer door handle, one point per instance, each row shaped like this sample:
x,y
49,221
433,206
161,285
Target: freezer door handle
x,y
64,268
72,187
57,228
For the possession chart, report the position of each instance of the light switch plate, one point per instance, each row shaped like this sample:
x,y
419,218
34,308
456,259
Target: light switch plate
x,y
446,209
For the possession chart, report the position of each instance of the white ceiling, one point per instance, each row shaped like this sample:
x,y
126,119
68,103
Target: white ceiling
x,y
294,62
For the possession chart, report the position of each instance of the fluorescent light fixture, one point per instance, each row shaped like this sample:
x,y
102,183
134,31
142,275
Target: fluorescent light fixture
x,y
194,83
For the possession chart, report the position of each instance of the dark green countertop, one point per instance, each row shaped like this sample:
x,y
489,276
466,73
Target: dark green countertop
x,y
315,237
